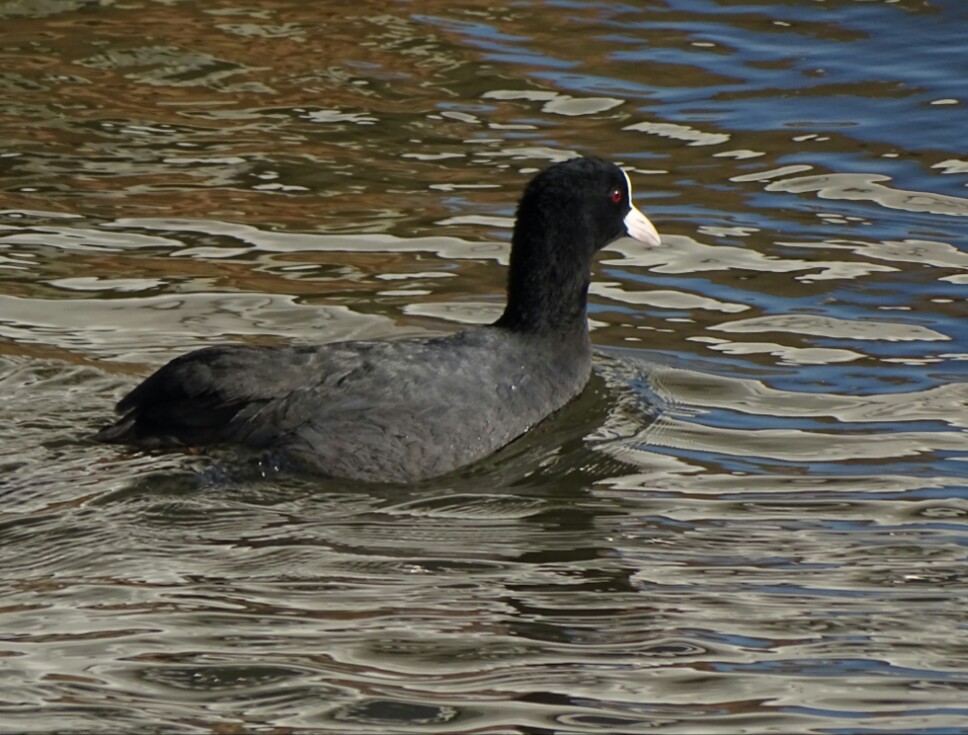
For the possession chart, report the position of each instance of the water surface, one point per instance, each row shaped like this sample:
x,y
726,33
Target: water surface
x,y
754,519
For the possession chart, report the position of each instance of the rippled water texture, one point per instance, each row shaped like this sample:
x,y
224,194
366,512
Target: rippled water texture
x,y
754,519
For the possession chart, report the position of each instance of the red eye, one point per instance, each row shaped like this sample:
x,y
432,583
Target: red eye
x,y
616,195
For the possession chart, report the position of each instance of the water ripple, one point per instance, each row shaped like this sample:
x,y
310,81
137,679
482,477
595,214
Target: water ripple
x,y
754,517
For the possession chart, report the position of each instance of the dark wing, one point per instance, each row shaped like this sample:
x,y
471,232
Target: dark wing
x,y
201,397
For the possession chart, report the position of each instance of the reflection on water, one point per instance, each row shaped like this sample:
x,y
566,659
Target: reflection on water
x,y
753,519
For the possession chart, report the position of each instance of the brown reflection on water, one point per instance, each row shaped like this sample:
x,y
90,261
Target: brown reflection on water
x,y
121,96
172,105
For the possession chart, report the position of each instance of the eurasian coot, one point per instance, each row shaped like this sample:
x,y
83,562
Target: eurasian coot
x,y
401,410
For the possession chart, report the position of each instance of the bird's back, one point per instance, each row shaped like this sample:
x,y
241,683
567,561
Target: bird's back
x,y
391,410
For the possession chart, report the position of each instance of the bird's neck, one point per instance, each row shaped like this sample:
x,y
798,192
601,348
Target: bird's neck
x,y
547,291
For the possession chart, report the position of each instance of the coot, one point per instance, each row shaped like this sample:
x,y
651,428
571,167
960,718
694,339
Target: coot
x,y
402,410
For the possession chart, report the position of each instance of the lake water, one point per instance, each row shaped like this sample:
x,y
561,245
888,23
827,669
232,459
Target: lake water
x,y
754,519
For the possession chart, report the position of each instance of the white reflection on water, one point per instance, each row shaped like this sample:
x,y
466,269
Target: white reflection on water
x,y
284,242
785,354
835,328
687,255
135,329
866,187
556,103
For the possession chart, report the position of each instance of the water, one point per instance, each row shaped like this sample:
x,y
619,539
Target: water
x,y
752,521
